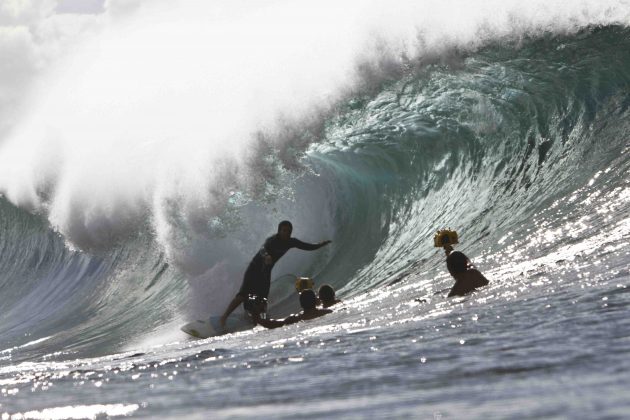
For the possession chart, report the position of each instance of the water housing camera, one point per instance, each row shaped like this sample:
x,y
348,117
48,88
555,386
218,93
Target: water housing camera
x,y
445,237
303,283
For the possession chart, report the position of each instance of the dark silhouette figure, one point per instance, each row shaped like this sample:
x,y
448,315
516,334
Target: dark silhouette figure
x,y
327,296
308,302
257,278
467,277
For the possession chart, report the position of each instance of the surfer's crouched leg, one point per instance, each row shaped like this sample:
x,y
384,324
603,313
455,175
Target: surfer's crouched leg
x,y
256,306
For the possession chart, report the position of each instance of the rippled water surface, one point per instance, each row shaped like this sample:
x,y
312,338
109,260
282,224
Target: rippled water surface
x,y
519,138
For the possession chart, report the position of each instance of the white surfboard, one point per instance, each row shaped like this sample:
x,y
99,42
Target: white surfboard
x,y
211,327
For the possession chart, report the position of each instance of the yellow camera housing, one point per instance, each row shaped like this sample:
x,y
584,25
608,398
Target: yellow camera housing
x,y
303,283
445,237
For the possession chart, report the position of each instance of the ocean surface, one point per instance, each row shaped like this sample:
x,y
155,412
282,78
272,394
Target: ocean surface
x,y
139,185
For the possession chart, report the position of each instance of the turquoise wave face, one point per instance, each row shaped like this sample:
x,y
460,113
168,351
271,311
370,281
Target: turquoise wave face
x,y
480,144
493,143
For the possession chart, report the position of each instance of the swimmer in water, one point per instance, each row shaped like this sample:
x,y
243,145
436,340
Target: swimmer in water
x,y
327,296
308,301
467,277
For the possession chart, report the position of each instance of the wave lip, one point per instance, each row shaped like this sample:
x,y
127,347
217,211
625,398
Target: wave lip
x,y
186,137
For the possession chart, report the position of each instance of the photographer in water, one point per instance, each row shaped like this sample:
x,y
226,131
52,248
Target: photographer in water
x,y
308,302
467,277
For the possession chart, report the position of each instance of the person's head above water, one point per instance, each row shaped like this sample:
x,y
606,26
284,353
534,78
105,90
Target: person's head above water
x,y
456,263
326,293
285,228
308,300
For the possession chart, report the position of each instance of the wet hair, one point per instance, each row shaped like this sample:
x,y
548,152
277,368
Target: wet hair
x,y
285,223
326,293
308,300
456,262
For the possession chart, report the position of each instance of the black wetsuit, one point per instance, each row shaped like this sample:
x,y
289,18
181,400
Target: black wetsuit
x,y
257,278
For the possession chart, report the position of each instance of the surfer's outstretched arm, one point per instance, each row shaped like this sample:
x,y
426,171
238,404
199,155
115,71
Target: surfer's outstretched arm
x,y
305,246
238,299
276,323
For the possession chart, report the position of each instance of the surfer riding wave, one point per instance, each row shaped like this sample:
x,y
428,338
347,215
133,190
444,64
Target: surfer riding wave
x,y
257,278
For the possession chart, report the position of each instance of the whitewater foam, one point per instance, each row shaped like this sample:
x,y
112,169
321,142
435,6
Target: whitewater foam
x,y
160,116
